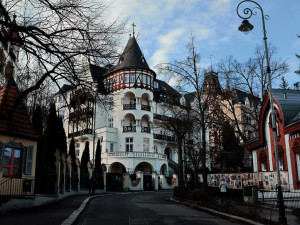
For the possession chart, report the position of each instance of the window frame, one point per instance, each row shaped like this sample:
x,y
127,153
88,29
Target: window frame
x,y
129,144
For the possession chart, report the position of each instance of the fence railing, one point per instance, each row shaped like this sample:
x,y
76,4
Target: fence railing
x,y
15,187
137,154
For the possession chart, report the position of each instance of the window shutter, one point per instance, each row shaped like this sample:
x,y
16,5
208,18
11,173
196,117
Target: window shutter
x,y
1,152
29,157
24,160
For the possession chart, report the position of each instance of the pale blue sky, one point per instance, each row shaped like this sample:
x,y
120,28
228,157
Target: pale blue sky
x,y
163,28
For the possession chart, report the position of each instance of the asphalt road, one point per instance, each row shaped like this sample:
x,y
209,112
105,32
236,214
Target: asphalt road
x,y
144,208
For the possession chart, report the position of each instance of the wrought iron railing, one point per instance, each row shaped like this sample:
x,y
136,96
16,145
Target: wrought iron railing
x,y
129,128
84,112
16,187
146,129
146,107
164,137
129,106
80,133
160,117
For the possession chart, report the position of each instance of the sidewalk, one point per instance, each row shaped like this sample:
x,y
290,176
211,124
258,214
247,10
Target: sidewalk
x,y
267,213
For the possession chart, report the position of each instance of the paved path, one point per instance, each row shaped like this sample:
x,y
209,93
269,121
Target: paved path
x,y
144,208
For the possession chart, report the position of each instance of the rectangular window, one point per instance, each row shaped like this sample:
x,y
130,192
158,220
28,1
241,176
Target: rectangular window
x,y
111,149
144,79
263,166
155,148
146,145
280,163
155,84
12,161
111,122
126,78
132,78
298,165
129,144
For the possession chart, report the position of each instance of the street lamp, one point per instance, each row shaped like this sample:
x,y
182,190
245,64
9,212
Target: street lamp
x,y
246,27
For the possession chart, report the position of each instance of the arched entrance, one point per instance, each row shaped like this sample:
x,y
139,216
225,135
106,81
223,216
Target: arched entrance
x,y
114,178
147,170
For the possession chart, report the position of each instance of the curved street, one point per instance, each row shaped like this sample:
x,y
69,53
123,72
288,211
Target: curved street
x,y
143,208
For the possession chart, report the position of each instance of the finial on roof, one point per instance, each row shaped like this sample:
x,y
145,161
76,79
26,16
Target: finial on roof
x,y
133,25
211,63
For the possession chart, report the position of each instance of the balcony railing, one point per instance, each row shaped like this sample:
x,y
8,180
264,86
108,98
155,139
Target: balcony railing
x,y
16,187
129,106
160,117
164,137
146,129
129,128
137,154
84,112
146,108
80,133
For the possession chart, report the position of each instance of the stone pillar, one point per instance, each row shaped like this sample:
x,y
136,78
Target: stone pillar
x,y
162,181
139,174
69,166
104,180
57,166
78,173
155,181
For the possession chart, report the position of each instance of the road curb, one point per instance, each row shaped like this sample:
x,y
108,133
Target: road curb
x,y
71,219
217,212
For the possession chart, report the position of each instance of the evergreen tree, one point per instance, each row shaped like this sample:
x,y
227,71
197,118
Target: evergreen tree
x,y
284,84
37,120
232,154
98,166
85,158
61,136
98,157
47,153
72,151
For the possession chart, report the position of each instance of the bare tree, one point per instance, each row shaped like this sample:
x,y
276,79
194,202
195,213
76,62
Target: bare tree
x,y
187,74
53,36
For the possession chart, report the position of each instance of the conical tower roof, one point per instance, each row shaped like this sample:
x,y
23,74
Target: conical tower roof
x,y
132,57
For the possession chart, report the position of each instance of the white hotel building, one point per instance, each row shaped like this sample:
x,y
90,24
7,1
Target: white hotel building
x,y
127,118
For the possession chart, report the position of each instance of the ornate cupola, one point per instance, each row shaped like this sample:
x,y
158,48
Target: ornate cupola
x,y
132,57
131,71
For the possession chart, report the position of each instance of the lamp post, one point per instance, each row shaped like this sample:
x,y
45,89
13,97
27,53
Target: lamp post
x,y
246,27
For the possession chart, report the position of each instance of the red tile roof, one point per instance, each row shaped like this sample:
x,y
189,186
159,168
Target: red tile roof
x,y
17,123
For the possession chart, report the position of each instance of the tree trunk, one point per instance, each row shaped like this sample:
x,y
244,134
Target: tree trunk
x,y
180,167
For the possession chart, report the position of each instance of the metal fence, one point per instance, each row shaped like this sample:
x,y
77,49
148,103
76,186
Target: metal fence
x,y
291,199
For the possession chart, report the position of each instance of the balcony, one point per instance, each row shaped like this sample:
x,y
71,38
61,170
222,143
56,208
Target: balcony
x,y
164,137
160,117
129,128
146,129
81,113
146,108
129,106
80,133
136,155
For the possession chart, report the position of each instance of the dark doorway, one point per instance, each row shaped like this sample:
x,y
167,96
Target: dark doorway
x,y
148,186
